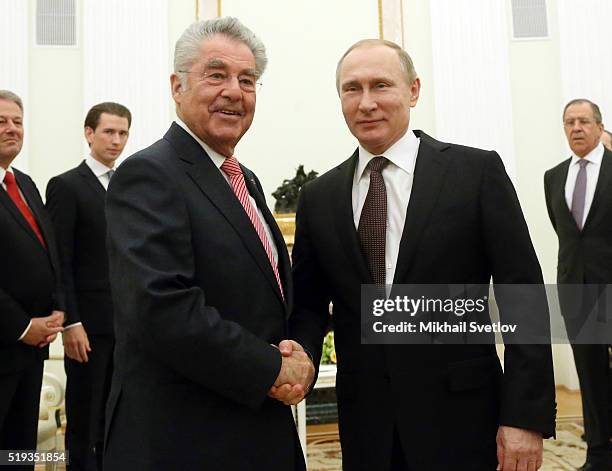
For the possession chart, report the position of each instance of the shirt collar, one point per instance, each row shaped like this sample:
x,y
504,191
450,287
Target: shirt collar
x,y
217,158
98,168
402,154
3,172
594,157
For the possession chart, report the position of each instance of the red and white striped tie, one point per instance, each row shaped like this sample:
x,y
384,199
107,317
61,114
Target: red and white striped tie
x,y
232,169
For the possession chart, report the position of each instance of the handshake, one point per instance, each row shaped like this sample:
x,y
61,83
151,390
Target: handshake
x,y
296,374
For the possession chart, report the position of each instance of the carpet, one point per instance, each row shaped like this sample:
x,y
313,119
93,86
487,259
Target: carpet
x,y
566,453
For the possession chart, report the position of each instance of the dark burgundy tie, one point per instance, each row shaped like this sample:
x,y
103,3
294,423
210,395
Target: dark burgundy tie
x,y
372,227
13,192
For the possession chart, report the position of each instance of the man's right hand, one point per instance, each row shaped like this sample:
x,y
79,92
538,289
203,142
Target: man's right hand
x,y
44,330
296,374
76,343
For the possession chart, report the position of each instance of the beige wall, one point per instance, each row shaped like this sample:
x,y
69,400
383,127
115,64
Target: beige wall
x,y
417,41
540,144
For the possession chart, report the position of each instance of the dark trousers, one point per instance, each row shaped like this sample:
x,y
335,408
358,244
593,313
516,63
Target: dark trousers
x,y
87,388
593,368
19,404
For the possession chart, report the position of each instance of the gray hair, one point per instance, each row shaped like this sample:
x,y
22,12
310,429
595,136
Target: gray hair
x,y
405,60
594,107
10,96
187,47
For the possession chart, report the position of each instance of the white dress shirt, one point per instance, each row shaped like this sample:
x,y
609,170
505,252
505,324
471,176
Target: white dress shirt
x,y
398,176
592,171
99,170
218,160
3,174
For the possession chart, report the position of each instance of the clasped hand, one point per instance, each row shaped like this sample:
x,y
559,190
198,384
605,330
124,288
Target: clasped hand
x,y
296,374
43,330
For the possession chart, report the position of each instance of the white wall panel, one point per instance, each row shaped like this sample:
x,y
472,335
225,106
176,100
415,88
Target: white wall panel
x,y
585,39
126,51
473,98
14,60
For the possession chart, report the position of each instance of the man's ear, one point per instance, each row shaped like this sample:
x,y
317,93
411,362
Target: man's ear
x,y
89,135
176,87
415,89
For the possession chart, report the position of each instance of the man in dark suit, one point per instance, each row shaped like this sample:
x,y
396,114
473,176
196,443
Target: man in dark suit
x,y
407,209
30,296
75,201
200,280
578,197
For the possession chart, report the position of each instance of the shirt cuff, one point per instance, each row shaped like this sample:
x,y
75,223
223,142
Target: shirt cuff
x,y
25,332
72,325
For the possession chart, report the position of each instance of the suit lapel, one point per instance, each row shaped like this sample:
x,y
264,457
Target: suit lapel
x,y
211,183
279,241
429,175
343,218
29,193
6,200
603,187
558,197
91,180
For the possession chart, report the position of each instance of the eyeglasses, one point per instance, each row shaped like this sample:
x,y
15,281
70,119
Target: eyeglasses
x,y
247,83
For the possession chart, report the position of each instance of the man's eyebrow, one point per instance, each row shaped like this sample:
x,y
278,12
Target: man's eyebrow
x,y
251,72
219,64
216,64
349,83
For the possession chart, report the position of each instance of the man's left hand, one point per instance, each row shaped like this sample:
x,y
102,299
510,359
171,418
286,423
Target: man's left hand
x,y
518,449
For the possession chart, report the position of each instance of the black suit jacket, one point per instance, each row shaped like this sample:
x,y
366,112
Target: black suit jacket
x,y
197,307
75,201
29,279
463,225
584,256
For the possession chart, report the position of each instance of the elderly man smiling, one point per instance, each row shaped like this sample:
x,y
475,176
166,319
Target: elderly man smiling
x,y
201,282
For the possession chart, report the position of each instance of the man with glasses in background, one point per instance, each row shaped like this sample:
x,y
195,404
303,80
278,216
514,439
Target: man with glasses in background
x,y
578,195
31,301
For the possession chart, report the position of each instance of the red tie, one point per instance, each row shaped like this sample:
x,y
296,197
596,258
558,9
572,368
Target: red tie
x,y
13,191
232,169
